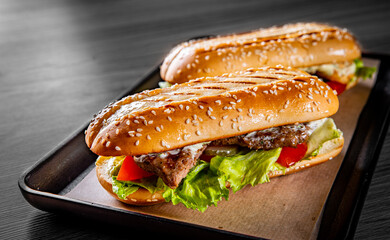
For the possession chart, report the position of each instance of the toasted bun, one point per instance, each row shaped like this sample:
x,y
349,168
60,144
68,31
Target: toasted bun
x,y
294,45
140,197
329,150
143,197
207,109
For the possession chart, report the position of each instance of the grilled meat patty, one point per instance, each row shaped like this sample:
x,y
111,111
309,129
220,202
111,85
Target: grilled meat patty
x,y
172,166
282,136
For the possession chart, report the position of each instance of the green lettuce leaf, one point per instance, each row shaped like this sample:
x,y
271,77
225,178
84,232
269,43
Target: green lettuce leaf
x,y
125,188
243,169
200,189
363,71
327,131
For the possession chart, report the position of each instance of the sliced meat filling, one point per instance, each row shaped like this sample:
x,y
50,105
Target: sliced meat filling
x,y
270,138
172,166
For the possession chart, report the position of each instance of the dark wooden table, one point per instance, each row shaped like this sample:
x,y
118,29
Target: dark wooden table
x,y
62,61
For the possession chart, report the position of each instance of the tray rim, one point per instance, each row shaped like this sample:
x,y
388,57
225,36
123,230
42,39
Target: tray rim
x,y
29,192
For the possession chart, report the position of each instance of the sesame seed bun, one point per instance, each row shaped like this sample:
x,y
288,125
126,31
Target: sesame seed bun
x,y
207,109
296,45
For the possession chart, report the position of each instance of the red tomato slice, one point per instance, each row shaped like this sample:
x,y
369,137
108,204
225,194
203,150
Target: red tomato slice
x,y
130,171
339,87
290,155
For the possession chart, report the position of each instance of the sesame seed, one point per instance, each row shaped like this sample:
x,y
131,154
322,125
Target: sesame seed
x,y
188,121
266,92
154,112
239,128
145,122
128,122
310,97
117,131
148,137
234,125
150,122
136,121
329,101
181,106
136,143
131,133
212,117
158,129
185,137
218,102
187,108
163,143
138,134
169,118
224,117
197,132
201,107
108,144
117,148
139,129
221,123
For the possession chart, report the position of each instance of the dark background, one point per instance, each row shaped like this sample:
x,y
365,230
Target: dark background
x,y
62,61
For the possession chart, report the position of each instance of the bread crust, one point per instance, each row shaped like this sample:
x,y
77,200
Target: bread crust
x,y
143,197
296,45
207,109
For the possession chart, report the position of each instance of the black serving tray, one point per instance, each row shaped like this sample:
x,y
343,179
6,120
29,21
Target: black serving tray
x,y
45,184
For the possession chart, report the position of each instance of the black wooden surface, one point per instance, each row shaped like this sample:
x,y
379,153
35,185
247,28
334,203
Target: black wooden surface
x,y
62,61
